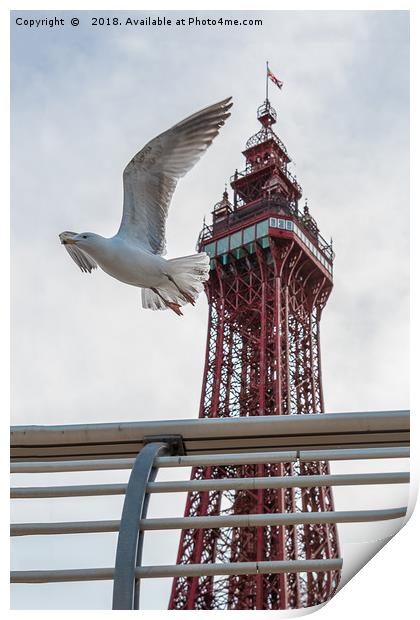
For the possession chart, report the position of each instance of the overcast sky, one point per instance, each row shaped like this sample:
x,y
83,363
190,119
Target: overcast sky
x,y
84,100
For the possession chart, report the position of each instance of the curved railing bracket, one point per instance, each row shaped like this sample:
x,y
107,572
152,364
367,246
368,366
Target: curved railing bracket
x,y
175,443
126,592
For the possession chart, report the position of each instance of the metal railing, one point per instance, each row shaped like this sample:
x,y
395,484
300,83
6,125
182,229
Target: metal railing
x,y
167,444
273,203
262,136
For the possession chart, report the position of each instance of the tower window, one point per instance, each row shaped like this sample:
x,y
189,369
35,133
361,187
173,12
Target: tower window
x,y
223,245
235,240
262,229
210,249
249,234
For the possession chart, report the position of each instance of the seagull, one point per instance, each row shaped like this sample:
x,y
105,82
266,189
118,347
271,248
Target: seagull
x,y
135,254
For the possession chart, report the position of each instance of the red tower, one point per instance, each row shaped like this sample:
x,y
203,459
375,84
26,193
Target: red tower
x,y
271,275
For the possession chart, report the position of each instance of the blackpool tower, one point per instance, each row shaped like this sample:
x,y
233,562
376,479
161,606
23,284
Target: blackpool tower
x,y
270,278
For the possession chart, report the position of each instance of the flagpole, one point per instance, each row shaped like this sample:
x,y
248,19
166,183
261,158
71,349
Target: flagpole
x,y
266,81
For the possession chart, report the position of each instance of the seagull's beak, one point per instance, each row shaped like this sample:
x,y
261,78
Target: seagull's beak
x,y
69,241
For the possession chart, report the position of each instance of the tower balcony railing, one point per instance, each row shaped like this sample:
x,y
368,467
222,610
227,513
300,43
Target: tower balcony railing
x,y
273,203
264,135
146,447
255,167
266,109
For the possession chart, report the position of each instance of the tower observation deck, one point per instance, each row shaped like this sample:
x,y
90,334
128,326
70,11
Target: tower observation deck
x,y
270,278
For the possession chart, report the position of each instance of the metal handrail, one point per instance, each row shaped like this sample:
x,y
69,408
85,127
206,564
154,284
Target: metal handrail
x,y
186,523
213,459
258,433
179,570
181,486
373,435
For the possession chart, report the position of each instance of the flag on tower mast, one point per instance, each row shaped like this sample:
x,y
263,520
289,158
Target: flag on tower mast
x,y
270,75
273,78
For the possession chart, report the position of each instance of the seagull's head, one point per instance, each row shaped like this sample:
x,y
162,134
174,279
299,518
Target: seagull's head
x,y
87,241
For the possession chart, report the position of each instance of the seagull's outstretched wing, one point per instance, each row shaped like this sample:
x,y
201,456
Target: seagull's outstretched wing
x,y
151,176
82,260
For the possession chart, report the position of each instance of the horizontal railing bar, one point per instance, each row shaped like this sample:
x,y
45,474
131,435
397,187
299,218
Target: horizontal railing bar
x,y
179,570
83,490
258,520
184,523
244,458
292,432
180,486
218,446
242,568
59,576
354,454
278,482
65,527
247,458
32,467
370,421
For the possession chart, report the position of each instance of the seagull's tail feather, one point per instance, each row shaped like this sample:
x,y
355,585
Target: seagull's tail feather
x,y
151,300
186,275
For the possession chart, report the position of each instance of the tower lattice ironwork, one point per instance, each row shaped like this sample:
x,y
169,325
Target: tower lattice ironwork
x,y
271,275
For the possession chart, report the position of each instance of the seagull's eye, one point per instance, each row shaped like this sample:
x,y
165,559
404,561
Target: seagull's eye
x,y
84,236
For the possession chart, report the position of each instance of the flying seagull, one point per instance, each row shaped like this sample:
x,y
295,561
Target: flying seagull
x,y
135,254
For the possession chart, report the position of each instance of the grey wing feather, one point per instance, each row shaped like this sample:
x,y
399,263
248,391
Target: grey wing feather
x,y
82,260
151,176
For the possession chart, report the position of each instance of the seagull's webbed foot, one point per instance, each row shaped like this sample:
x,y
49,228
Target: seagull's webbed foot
x,y
169,304
189,298
175,307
